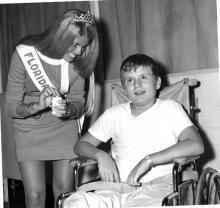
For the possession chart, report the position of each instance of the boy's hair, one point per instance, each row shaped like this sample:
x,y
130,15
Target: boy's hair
x,y
132,62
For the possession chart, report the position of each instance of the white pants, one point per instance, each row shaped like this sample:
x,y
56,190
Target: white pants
x,y
150,194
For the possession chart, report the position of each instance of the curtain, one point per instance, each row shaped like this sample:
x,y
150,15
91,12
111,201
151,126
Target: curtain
x,y
20,20
180,34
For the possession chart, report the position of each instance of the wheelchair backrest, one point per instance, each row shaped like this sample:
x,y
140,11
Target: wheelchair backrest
x,y
178,91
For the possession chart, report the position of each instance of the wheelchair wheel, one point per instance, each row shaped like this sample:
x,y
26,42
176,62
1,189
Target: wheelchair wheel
x,y
205,188
187,192
214,189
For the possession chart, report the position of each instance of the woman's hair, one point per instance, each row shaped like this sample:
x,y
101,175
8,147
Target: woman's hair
x,y
132,62
90,96
55,41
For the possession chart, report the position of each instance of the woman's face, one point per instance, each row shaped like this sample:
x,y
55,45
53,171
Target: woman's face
x,y
79,45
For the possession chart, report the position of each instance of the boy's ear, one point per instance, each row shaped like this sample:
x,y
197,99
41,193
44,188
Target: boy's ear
x,y
125,92
158,83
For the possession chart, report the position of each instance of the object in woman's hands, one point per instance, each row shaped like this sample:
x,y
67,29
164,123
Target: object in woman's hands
x,y
55,103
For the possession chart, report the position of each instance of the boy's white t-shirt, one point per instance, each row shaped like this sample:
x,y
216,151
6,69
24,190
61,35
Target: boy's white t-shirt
x,y
134,137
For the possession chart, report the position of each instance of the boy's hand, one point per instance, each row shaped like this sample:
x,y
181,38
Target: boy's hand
x,y
107,167
138,172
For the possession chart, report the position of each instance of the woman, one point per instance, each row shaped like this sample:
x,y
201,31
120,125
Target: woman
x,y
52,64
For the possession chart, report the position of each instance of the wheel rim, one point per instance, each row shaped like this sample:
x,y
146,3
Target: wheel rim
x,y
203,186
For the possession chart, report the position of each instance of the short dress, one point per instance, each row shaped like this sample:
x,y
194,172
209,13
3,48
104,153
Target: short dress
x,y
43,136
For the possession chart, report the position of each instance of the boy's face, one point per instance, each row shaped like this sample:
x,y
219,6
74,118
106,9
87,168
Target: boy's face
x,y
141,86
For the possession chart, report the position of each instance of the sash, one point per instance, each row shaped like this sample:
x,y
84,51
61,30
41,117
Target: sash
x,y
34,68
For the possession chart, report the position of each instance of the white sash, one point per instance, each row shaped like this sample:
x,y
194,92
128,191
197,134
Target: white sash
x,y
36,71
64,85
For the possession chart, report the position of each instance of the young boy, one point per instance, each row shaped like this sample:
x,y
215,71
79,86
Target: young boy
x,y
148,133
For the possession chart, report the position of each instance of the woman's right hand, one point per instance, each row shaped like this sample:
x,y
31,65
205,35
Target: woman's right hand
x,y
46,97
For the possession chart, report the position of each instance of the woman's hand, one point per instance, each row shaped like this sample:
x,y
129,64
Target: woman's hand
x,y
142,168
46,97
107,167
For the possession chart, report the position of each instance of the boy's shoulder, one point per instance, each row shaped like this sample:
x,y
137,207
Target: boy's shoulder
x,y
118,108
168,103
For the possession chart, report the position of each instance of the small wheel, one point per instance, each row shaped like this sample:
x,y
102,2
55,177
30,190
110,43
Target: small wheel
x,y
203,186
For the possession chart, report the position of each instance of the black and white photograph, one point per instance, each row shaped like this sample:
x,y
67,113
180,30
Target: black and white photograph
x,y
109,103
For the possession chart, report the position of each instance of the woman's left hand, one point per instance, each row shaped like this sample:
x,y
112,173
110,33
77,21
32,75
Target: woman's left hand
x,y
142,168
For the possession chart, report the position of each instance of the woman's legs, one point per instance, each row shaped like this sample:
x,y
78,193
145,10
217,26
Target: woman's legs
x,y
62,178
33,176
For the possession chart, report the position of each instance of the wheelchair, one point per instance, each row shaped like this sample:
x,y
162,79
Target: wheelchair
x,y
188,187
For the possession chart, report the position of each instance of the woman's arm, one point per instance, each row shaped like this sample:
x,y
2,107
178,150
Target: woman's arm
x,y
15,106
75,100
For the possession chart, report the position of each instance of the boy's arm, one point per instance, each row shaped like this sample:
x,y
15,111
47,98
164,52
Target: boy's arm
x,y
87,146
190,144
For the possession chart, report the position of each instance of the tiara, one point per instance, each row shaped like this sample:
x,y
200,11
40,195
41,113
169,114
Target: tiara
x,y
87,18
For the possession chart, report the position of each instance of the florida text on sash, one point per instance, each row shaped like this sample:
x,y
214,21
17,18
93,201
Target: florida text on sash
x,y
33,66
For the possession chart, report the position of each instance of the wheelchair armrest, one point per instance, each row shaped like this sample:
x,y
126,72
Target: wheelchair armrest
x,y
81,162
185,160
171,199
77,163
61,198
189,173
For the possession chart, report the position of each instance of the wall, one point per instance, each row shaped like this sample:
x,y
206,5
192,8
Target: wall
x,y
207,96
1,172
208,101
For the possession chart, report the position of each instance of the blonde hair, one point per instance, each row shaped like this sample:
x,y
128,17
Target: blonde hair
x,y
90,97
56,40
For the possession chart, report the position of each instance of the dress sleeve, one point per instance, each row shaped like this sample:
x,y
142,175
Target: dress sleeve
x,y
15,86
76,94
